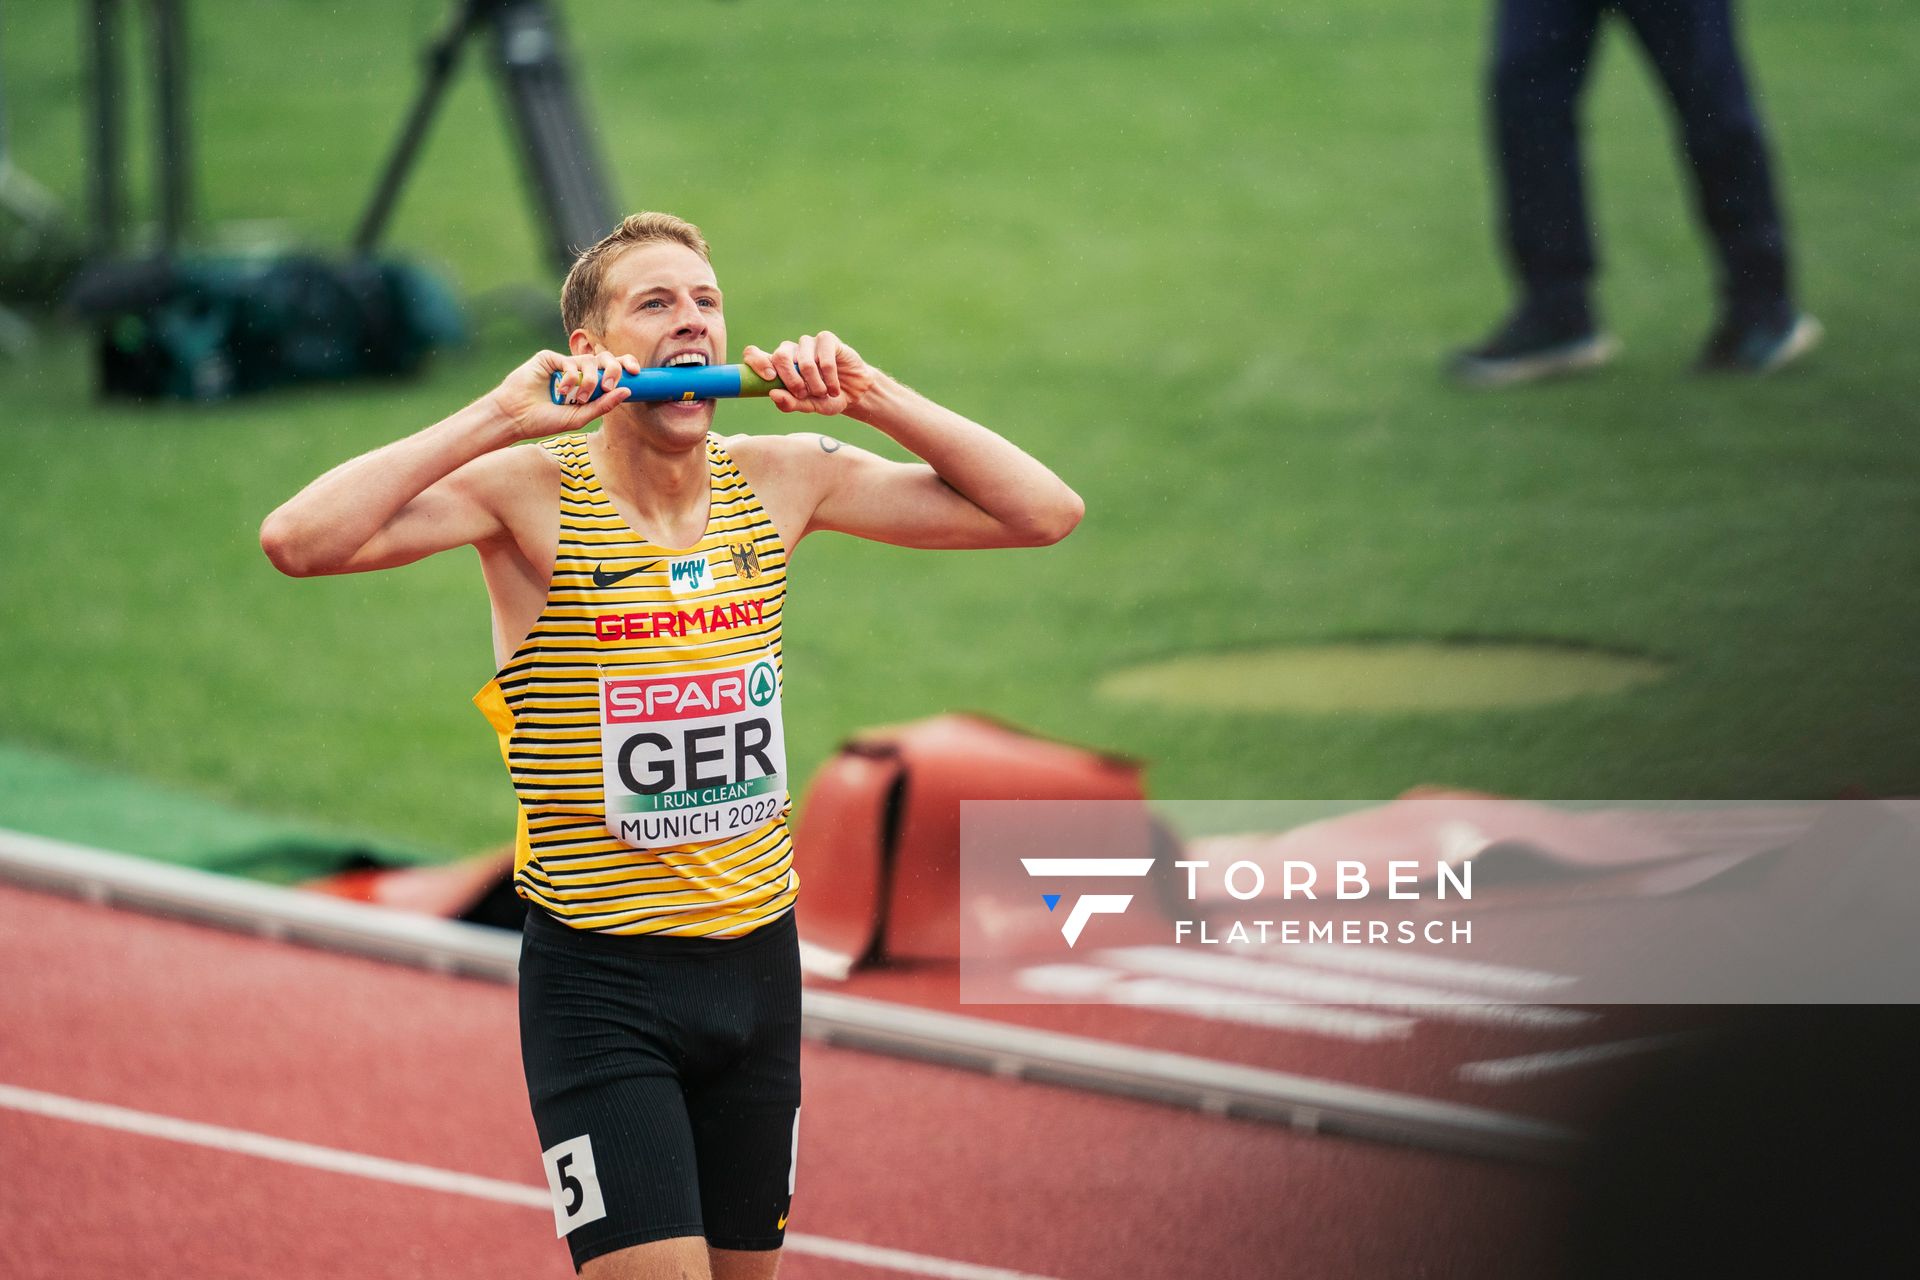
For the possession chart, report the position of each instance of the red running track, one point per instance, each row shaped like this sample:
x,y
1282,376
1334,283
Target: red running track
x,y
1428,1063
174,1020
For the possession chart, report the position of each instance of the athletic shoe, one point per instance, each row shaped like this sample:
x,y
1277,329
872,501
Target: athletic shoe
x,y
1530,347
1758,348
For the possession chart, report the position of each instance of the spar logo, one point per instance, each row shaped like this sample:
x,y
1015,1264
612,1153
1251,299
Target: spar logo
x,y
649,699
689,575
1087,905
762,684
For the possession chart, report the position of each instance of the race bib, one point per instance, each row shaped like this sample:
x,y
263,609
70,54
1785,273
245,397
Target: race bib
x,y
692,758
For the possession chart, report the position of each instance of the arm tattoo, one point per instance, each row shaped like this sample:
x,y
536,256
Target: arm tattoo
x,y
829,445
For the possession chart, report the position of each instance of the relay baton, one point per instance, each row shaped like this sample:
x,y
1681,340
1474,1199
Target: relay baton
x,y
682,382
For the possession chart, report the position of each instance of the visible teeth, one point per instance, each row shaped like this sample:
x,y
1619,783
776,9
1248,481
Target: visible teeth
x,y
687,357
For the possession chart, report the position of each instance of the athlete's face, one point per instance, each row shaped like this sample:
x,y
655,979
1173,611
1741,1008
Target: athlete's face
x,y
660,303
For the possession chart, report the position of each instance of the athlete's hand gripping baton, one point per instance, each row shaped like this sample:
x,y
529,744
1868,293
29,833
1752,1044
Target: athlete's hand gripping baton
x,y
681,382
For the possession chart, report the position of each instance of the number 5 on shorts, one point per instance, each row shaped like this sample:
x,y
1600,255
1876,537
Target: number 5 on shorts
x,y
574,1183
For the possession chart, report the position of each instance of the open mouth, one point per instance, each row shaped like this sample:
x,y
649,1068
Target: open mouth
x,y
687,359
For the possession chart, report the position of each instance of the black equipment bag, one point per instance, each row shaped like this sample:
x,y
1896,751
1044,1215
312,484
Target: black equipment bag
x,y
210,328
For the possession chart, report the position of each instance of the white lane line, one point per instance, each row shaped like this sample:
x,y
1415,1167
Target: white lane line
x,y
332,1160
1533,1065
1085,982
284,1150
1243,980
1500,978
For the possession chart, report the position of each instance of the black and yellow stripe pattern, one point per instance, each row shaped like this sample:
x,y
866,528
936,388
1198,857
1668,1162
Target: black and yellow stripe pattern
x,y
610,609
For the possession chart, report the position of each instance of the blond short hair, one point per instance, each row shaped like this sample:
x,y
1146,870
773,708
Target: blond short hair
x,y
580,296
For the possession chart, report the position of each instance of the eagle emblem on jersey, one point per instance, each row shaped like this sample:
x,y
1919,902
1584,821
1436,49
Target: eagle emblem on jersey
x,y
746,558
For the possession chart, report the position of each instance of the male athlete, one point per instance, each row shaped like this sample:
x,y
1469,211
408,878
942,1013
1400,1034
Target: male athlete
x,y
637,575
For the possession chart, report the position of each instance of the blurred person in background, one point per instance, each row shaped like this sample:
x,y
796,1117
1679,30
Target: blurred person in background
x,y
1542,51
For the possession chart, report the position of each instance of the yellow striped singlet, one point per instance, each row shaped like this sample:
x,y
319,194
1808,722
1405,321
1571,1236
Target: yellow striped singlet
x,y
640,719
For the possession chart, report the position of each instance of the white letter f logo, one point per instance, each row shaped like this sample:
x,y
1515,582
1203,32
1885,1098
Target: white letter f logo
x,y
1092,904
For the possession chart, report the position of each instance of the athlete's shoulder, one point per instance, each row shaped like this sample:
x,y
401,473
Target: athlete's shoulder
x,y
798,449
785,472
758,457
512,480
803,459
526,459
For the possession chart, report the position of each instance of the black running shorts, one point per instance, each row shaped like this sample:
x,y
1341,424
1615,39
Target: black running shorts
x,y
664,1075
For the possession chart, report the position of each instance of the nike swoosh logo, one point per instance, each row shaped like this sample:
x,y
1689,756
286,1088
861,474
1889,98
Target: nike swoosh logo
x,y
601,578
782,1224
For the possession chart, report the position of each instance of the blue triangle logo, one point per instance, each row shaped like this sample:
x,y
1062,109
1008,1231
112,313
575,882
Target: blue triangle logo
x,y
1051,899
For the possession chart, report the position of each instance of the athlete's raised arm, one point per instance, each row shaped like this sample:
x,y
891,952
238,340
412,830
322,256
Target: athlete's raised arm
x,y
972,489
439,488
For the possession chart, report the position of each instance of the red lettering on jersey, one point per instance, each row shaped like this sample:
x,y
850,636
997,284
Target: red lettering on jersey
x,y
654,698
680,622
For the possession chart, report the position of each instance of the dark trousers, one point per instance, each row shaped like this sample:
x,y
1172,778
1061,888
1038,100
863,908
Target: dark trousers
x,y
1541,53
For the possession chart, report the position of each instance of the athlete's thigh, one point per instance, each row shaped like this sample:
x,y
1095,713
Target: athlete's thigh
x,y
746,1118
620,1164
743,1264
746,1156
747,1133
615,1137
682,1258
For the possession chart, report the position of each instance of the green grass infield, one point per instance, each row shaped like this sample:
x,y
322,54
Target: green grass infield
x,y
1203,262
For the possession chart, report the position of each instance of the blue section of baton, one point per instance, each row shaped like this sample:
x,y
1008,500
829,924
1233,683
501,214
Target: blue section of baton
x,y
701,382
